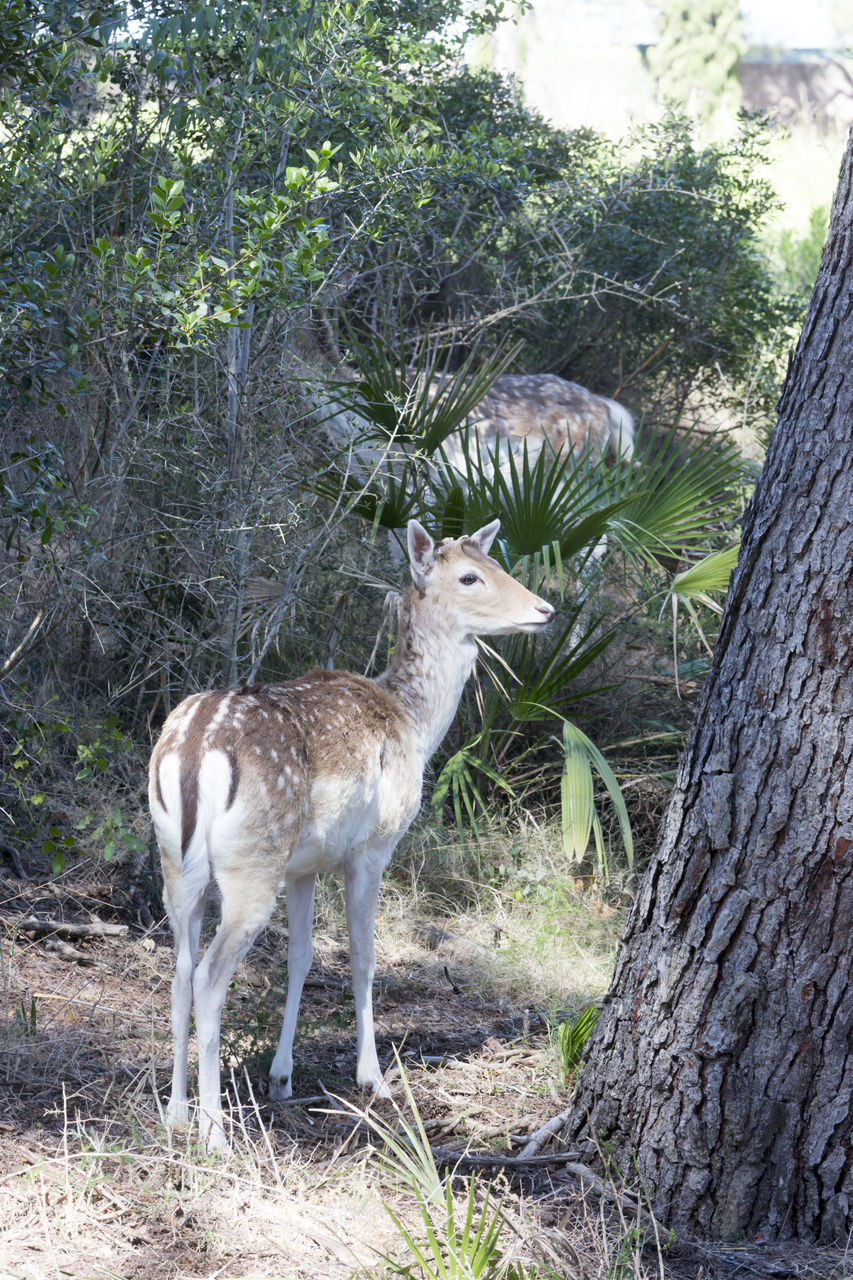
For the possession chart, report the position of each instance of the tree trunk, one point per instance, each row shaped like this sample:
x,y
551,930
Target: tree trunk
x,y
723,1059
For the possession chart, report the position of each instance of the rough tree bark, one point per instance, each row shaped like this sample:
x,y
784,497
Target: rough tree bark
x,y
723,1059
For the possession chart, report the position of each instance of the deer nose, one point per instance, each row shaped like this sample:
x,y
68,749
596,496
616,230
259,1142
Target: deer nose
x,y
545,608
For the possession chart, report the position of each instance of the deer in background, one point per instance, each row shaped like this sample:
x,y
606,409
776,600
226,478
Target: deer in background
x,y
259,788
529,411
533,411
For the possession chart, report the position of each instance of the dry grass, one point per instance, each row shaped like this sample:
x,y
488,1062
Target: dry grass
x,y
512,913
93,1186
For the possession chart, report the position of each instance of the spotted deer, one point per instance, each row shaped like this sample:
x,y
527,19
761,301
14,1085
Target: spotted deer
x,y
534,411
262,787
531,411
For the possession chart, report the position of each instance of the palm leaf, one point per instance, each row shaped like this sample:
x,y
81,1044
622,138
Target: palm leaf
x,y
451,519
553,501
680,500
458,783
388,500
544,686
577,800
572,1037
711,573
692,586
420,403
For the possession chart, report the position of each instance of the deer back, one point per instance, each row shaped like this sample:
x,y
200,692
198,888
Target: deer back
x,y
298,770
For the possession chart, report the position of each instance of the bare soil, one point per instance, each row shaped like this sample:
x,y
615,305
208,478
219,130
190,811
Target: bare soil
x,y
92,1185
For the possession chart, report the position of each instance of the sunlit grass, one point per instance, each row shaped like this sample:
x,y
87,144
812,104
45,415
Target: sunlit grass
x,y
523,921
803,168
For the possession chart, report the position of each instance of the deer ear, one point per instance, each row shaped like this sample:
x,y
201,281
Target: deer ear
x,y
485,537
421,553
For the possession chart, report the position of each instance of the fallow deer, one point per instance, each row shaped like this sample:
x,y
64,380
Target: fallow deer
x,y
259,788
533,411
529,411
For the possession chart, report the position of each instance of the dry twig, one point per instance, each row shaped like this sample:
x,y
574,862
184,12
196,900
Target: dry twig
x,y
65,951
47,928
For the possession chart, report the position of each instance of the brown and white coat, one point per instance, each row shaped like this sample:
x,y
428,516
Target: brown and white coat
x,y
524,411
262,787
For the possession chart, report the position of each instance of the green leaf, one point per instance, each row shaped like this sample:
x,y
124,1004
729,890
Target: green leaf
x,y
552,502
572,1037
458,783
574,739
576,799
388,501
692,587
680,488
712,573
418,402
545,685
449,1245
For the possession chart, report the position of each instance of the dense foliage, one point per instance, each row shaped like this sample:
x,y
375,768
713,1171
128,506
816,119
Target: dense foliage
x,y
176,189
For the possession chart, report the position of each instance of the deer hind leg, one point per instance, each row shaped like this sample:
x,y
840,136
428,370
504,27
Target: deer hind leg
x,y
362,878
185,890
187,931
300,953
247,904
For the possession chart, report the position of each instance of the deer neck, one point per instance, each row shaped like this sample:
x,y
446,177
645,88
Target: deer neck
x,y
428,670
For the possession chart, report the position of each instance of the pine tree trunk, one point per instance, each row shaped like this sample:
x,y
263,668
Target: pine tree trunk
x,y
723,1058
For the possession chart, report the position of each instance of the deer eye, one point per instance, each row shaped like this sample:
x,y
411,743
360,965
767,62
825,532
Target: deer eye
x,y
468,579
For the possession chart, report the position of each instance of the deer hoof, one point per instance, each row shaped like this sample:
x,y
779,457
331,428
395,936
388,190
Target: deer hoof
x,y
215,1139
177,1115
376,1083
281,1088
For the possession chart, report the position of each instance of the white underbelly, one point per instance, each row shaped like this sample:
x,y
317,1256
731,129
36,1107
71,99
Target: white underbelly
x,y
347,820
312,855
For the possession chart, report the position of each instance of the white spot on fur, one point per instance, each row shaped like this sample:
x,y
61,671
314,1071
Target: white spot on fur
x,y
217,718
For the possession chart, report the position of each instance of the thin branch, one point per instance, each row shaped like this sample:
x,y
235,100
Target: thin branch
x,y
30,642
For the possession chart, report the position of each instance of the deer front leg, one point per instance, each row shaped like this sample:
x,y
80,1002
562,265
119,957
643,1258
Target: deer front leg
x,y
362,878
300,953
